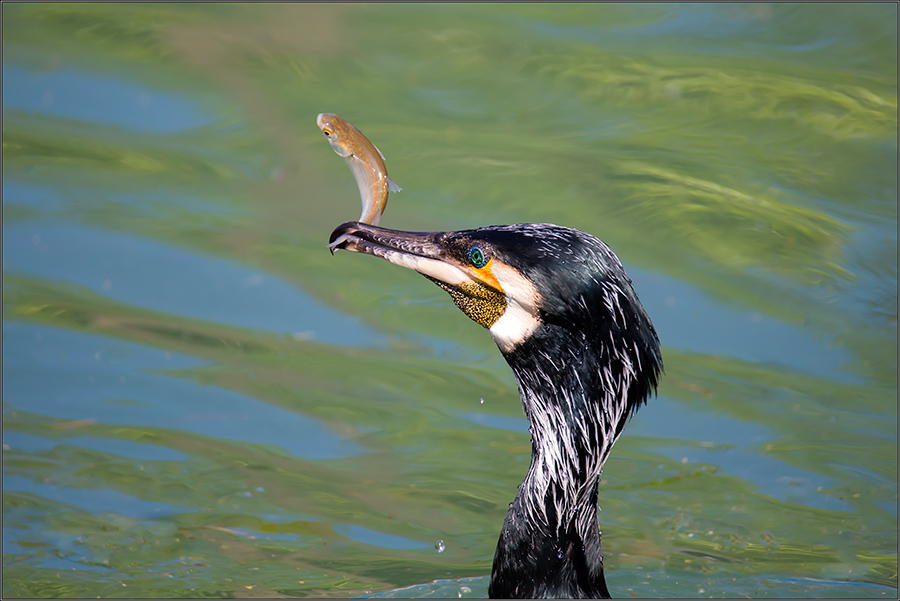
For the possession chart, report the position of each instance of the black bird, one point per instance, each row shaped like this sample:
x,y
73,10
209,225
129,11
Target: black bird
x,y
563,312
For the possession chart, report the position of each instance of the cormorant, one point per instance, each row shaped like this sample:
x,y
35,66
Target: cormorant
x,y
562,310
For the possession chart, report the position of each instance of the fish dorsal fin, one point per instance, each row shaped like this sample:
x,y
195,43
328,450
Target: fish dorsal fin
x,y
381,154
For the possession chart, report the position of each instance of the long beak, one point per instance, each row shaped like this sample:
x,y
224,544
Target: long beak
x,y
419,251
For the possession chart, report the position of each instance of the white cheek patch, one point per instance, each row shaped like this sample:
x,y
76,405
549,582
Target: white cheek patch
x,y
520,319
514,327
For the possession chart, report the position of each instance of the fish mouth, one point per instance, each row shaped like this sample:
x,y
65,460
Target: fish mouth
x,y
423,252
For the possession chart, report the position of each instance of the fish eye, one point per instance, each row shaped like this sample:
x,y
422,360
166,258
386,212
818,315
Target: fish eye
x,y
477,257
327,132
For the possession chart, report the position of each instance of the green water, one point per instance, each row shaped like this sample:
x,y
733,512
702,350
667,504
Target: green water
x,y
200,401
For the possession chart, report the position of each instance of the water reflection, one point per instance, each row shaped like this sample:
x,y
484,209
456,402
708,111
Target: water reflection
x,y
378,539
104,500
50,374
178,342
148,274
702,325
84,96
124,448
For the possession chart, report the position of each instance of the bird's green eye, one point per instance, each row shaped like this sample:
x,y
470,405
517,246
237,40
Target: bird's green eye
x,y
478,257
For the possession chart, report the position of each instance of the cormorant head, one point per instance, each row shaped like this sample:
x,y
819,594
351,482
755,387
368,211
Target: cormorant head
x,y
529,284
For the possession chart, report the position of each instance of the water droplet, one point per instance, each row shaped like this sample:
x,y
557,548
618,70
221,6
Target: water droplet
x,y
560,554
439,546
482,400
464,590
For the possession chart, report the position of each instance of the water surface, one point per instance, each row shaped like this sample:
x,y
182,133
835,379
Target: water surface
x,y
199,400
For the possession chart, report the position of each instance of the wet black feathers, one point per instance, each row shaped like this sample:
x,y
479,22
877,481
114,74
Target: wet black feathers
x,y
587,299
585,356
591,362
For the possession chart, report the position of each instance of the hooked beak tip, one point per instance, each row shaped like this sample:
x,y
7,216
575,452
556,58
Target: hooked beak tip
x,y
340,236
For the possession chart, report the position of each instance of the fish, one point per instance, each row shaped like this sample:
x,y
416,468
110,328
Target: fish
x,y
366,164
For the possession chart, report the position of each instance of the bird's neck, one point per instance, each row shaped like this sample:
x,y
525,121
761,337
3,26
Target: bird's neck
x,y
575,403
